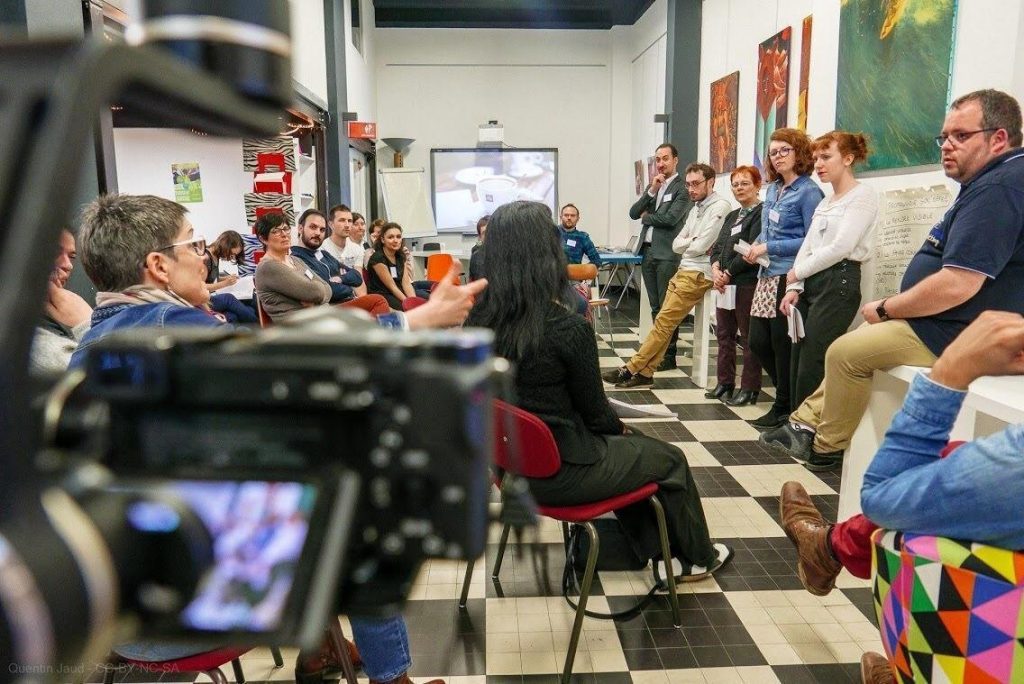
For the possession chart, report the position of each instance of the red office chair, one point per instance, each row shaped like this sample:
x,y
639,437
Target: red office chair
x,y
208,663
410,303
265,320
524,445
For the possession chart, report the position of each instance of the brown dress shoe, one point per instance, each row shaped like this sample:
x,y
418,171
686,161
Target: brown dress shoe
x,y
311,666
404,679
875,669
807,529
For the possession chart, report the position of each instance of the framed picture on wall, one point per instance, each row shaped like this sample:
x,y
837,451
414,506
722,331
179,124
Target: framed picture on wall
x,y
805,73
772,90
897,63
724,121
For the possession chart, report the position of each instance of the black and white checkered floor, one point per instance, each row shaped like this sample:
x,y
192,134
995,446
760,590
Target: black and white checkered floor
x,y
751,623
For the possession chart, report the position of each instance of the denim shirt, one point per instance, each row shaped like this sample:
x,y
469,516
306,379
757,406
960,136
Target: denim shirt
x,y
784,222
975,494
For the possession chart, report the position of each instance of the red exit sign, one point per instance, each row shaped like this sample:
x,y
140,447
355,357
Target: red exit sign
x,y
362,129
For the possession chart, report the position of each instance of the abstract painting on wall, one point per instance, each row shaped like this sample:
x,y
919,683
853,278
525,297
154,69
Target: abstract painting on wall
x,y
772,90
805,74
894,75
725,94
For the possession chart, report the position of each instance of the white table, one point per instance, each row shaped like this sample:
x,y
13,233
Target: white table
x,y
991,403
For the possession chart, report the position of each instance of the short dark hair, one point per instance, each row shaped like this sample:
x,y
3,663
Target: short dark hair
x,y
481,222
267,222
998,110
356,216
567,206
310,212
671,148
118,231
336,208
703,169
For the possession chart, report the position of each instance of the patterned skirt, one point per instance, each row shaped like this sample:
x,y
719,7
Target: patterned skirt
x,y
765,304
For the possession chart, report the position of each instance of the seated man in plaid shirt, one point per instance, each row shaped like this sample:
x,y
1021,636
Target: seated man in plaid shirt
x,y
576,243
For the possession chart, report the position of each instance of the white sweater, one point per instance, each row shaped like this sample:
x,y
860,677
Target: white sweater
x,y
840,229
699,232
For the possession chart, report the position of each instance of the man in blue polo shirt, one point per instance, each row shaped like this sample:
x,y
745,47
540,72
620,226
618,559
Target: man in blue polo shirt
x,y
972,261
575,242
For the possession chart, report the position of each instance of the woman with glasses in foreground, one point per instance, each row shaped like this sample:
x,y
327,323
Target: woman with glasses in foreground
x,y
530,308
789,205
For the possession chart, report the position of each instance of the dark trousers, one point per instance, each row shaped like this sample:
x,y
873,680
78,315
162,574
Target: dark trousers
x,y
233,309
631,462
769,338
657,273
729,321
828,304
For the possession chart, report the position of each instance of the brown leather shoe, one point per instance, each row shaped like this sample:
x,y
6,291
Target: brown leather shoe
x,y
875,669
807,529
404,679
311,666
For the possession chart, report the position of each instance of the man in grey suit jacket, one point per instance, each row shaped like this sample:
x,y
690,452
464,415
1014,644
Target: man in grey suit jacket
x,y
662,210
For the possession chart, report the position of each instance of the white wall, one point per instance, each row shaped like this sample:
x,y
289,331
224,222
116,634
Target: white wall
x,y
548,89
309,47
360,66
144,158
988,53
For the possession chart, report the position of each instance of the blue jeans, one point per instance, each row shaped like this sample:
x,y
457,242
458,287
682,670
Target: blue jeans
x,y
383,645
974,494
233,309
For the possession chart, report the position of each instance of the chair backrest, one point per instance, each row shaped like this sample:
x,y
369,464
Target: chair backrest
x,y
633,245
438,265
949,605
410,303
580,272
523,444
260,313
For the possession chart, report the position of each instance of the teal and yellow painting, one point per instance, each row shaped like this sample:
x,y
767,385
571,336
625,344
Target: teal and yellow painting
x,y
895,60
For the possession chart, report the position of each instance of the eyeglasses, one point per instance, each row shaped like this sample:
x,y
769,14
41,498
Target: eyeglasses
x,y
280,230
197,246
781,152
742,184
960,137
695,184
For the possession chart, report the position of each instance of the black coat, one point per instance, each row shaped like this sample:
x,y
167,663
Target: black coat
x,y
729,259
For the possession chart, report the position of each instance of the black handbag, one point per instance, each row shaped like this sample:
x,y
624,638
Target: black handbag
x,y
615,553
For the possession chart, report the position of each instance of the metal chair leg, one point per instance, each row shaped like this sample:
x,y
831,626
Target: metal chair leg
x,y
336,638
275,653
216,676
236,665
465,584
501,550
666,553
588,580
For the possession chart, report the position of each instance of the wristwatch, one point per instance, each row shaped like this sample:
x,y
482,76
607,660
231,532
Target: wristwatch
x,y
880,310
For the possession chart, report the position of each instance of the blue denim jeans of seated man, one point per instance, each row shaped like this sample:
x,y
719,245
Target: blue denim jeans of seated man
x,y
975,494
383,645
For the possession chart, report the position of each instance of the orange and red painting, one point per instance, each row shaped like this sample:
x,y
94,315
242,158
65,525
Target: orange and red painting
x,y
724,121
772,90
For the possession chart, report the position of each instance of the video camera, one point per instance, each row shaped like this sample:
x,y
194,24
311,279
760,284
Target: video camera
x,y
325,461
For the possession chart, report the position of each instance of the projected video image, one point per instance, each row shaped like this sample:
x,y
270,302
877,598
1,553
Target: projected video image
x,y
259,530
470,183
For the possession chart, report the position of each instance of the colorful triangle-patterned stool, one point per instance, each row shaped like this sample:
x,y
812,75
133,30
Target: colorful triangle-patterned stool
x,y
948,610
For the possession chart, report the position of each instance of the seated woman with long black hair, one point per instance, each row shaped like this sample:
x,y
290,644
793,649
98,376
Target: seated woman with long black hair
x,y
529,306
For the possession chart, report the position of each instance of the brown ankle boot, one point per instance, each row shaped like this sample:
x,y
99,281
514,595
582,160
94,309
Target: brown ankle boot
x,y
404,679
311,666
875,669
807,529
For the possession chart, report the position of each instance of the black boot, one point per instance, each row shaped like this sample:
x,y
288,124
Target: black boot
x,y
744,397
720,392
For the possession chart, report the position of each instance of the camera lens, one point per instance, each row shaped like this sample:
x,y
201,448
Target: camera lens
x,y
245,42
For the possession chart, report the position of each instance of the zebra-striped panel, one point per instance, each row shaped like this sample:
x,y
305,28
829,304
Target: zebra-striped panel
x,y
281,144
269,200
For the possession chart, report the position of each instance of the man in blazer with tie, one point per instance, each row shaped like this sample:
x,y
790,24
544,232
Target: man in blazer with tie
x,y
662,210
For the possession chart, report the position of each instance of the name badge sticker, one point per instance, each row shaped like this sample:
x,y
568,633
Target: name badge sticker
x,y
667,197
571,243
394,271
735,229
309,274
773,216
